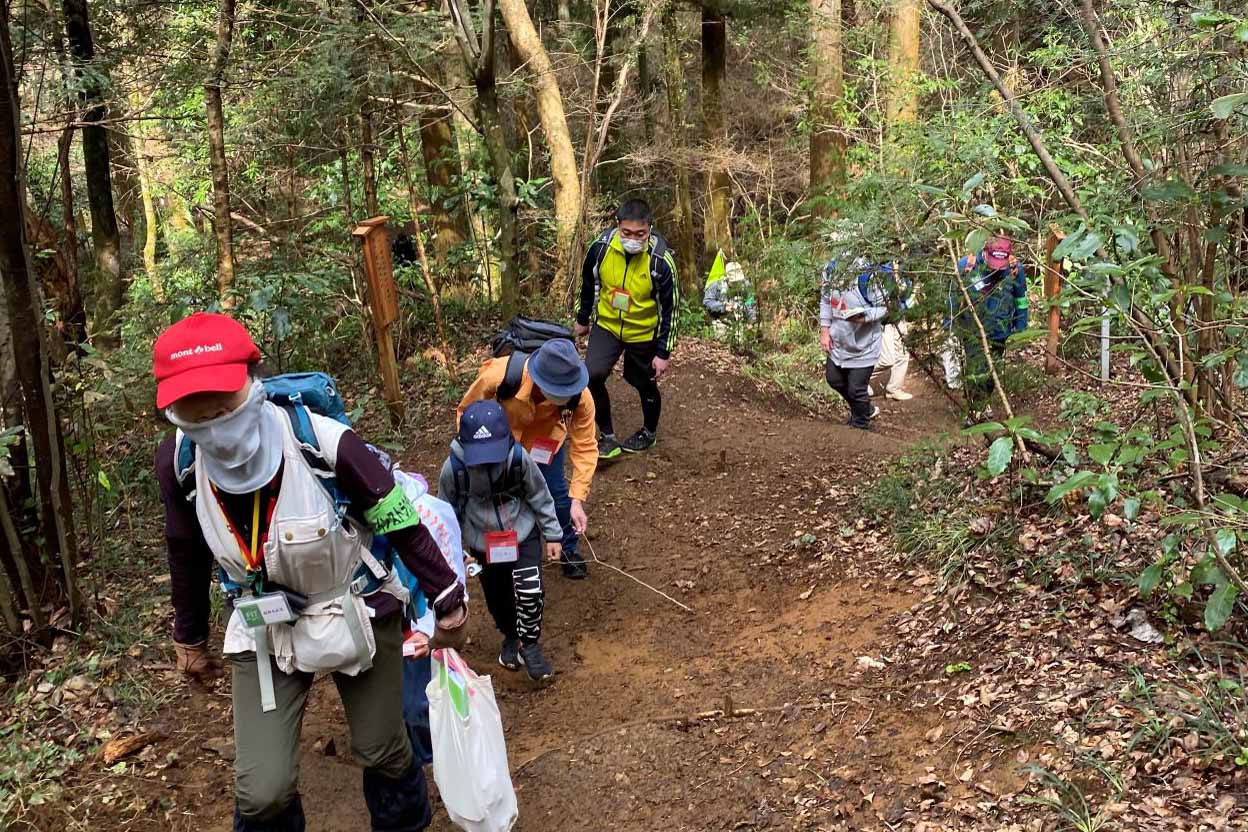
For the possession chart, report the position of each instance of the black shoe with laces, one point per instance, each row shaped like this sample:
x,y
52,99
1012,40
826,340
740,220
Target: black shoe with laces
x,y
574,566
535,663
642,440
509,654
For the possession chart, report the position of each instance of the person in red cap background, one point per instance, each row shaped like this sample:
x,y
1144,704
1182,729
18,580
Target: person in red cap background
x,y
997,286
252,502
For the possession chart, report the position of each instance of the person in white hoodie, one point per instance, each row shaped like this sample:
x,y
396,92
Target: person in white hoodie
x,y
851,315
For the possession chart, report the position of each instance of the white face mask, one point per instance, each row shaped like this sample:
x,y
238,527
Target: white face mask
x,y
558,401
242,450
633,246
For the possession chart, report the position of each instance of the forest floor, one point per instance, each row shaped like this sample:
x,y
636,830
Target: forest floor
x,y
838,690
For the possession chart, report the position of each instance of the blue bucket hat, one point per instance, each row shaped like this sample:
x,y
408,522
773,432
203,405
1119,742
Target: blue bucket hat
x,y
484,433
557,369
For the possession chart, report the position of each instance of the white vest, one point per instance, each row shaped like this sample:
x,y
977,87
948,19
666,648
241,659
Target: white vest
x,y
308,550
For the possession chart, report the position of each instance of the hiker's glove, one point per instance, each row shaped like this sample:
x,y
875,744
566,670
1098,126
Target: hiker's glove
x,y
195,661
451,630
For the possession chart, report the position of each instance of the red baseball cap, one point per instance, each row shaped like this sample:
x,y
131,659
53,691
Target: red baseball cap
x,y
997,252
205,353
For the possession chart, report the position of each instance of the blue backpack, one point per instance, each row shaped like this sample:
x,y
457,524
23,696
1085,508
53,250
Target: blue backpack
x,y
298,395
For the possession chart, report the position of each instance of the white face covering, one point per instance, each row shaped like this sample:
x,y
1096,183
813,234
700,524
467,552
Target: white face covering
x,y
558,401
242,450
633,246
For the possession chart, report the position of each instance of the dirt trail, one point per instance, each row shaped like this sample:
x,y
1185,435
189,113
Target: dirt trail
x,y
714,516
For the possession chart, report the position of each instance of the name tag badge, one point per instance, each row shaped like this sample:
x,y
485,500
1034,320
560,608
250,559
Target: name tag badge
x,y
501,547
265,609
544,451
620,300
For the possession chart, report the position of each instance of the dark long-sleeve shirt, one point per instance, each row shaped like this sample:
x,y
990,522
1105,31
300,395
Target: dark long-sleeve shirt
x,y
363,477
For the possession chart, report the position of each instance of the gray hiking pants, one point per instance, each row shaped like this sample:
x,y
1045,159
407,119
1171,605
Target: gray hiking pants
x,y
266,768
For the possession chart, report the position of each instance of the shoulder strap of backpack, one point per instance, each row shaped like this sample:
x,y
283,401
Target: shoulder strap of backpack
x,y
658,252
513,377
183,458
515,467
378,559
310,446
460,472
309,443
864,285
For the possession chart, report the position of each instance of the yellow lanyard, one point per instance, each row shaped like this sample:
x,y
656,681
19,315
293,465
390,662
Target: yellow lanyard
x,y
255,528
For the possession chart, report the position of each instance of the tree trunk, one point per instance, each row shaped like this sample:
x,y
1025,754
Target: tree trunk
x,y
110,285
645,84
555,127
563,11
150,224
437,147
478,54
10,392
344,170
222,228
126,192
903,62
74,314
827,141
465,139
435,301
11,552
25,319
521,137
674,81
371,204
508,202
614,56
716,218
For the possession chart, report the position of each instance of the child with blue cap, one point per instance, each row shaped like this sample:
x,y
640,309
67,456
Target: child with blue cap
x,y
508,519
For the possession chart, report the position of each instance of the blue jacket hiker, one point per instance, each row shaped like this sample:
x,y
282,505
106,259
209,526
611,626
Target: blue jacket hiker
x,y
997,285
508,518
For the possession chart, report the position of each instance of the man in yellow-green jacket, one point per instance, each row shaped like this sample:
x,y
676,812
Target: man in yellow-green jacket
x,y
632,271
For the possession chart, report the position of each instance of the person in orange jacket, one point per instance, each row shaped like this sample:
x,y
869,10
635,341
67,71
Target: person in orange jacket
x,y
553,418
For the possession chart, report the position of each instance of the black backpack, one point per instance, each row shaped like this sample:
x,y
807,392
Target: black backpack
x,y
523,337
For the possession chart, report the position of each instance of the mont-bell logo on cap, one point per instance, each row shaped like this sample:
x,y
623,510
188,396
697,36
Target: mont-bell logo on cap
x,y
198,349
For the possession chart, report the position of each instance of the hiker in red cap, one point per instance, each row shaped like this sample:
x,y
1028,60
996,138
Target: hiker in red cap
x,y
287,501
997,286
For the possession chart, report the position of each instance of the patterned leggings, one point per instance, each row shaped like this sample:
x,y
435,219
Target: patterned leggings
x,y
513,592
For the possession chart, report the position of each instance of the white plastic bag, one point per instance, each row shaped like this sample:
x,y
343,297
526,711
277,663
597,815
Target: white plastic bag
x,y
469,753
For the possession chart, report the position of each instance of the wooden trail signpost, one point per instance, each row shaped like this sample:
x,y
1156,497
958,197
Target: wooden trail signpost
x,y
383,302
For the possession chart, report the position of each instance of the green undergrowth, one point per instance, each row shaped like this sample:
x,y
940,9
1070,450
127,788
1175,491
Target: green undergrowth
x,y
1101,532
935,519
797,374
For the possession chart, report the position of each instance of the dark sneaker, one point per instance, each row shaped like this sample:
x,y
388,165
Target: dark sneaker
x,y
608,448
573,566
509,655
642,440
535,663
